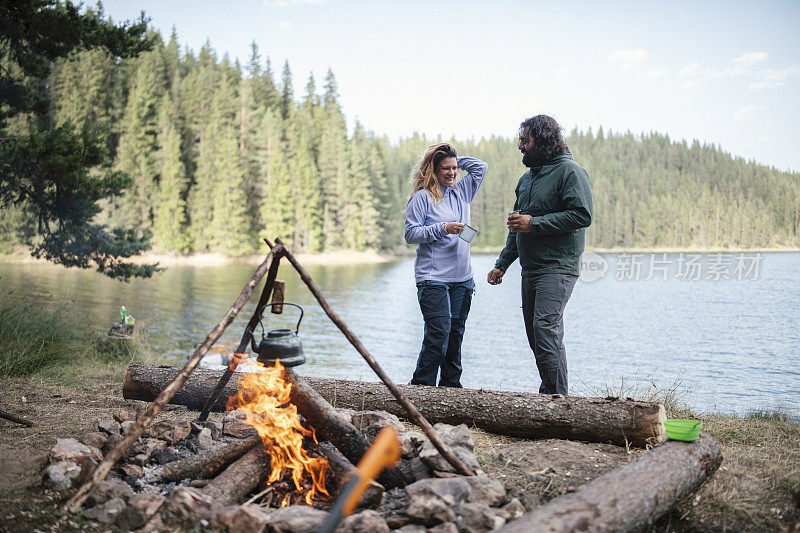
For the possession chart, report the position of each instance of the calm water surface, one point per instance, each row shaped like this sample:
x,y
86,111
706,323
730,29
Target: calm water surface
x,y
726,345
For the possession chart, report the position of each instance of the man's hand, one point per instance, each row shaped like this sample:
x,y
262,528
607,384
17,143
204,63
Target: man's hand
x,y
519,222
453,227
495,276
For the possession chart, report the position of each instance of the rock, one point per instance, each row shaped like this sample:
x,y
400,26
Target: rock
x,y
134,471
128,413
169,430
141,507
366,522
431,510
460,489
235,425
106,513
447,527
412,528
419,470
165,456
189,506
112,442
513,509
240,519
204,439
478,517
109,489
215,426
109,426
73,450
127,426
459,440
295,519
411,443
371,422
58,476
144,449
393,507
95,440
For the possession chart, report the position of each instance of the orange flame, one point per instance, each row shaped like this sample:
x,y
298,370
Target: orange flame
x,y
264,397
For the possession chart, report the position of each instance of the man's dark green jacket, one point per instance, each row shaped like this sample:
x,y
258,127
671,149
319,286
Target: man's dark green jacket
x,y
558,197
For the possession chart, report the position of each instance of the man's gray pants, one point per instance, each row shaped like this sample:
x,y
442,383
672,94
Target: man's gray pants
x,y
543,300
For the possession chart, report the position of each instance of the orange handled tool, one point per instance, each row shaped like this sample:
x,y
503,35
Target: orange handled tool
x,y
384,452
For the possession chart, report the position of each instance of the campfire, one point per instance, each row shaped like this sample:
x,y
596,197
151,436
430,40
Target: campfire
x,y
265,399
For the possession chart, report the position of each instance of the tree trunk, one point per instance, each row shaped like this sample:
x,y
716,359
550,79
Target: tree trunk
x,y
631,497
207,463
507,413
240,478
518,414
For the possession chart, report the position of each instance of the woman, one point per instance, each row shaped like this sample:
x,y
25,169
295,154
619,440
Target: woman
x,y
437,210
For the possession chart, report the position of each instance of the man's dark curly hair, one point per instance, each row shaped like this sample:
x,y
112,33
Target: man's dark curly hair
x,y
548,141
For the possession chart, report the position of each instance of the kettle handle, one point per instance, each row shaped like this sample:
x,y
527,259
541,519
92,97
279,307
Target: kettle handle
x,y
297,328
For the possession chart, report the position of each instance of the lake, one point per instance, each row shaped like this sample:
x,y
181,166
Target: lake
x,y
721,329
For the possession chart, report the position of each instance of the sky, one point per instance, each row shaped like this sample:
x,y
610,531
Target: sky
x,y
725,73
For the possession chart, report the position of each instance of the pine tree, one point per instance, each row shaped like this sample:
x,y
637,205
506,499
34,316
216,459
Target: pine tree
x,y
287,92
170,212
276,204
139,143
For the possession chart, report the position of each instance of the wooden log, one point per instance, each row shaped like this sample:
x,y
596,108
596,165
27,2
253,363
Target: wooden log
x,y
342,471
517,414
207,463
142,382
413,413
630,497
165,394
240,478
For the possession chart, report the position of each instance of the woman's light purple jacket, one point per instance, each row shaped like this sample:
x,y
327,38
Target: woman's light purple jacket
x,y
442,256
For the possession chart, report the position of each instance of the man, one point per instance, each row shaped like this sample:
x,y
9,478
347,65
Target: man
x,y
546,232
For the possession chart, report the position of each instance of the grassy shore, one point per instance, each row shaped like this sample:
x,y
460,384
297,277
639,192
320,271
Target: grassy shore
x,y
52,372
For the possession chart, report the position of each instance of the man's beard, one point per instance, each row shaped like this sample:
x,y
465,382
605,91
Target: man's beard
x,y
533,158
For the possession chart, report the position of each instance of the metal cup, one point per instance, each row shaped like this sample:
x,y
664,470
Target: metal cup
x,y
517,211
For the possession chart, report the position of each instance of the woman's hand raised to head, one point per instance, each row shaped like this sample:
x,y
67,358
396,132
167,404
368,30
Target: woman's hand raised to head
x,y
453,227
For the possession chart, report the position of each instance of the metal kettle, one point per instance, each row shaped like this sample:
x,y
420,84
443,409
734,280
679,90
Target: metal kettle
x,y
282,345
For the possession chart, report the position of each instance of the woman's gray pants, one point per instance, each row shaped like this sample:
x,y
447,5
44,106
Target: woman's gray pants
x,y
543,300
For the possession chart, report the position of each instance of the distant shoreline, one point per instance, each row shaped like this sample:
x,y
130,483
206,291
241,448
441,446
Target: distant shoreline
x,y
346,257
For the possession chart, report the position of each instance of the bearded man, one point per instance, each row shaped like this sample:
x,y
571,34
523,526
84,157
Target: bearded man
x,y
546,232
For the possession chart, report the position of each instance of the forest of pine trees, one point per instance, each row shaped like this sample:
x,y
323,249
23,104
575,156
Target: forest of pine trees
x,y
222,155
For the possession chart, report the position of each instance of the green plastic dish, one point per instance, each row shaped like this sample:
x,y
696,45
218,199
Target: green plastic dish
x,y
681,429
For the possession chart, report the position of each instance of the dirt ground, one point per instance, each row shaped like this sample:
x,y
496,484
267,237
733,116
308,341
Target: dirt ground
x,y
533,471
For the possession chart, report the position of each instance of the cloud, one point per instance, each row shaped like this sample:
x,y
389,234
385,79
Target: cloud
x,y
735,67
288,3
750,58
765,138
285,25
626,57
743,112
774,78
689,84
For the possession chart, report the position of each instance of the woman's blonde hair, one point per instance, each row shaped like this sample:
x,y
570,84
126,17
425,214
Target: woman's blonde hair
x,y
424,174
